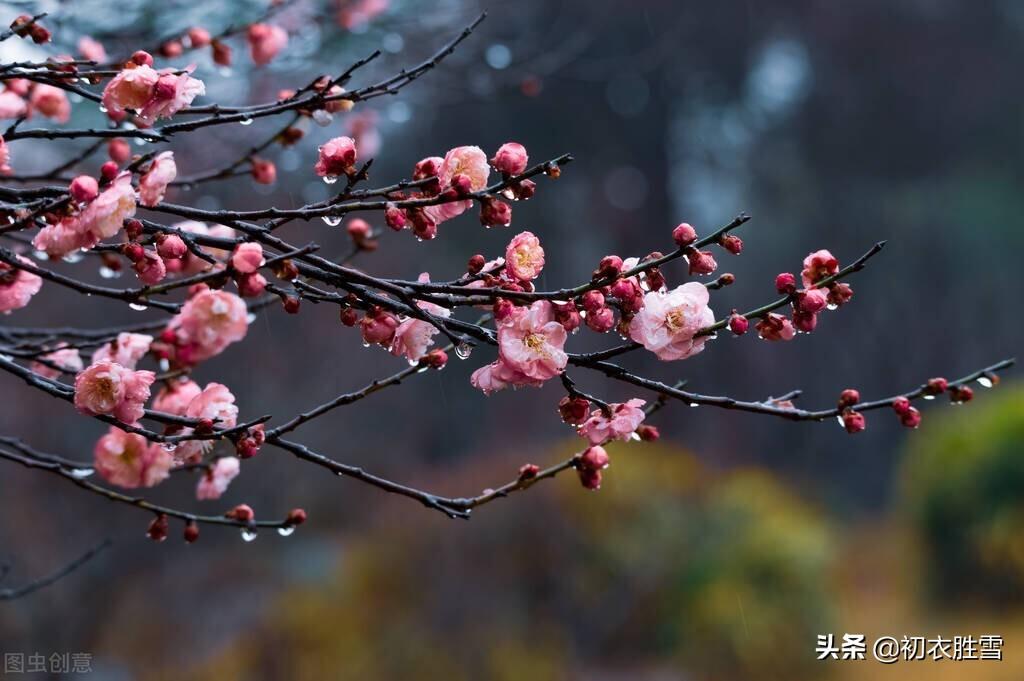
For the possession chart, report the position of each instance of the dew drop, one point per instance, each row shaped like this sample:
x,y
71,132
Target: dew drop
x,y
330,179
839,419
929,397
248,534
245,121
331,220
463,350
832,306
286,531
73,257
985,382
103,109
322,117
250,318
138,307
107,273
694,405
81,473
40,255
165,364
169,446
141,141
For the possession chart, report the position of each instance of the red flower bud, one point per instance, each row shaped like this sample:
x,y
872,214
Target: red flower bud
x,y
936,386
296,516
911,418
118,150
853,421
247,447
242,513
805,321
476,264
291,304
134,251
609,267
84,188
436,358
528,471
701,262
592,301
589,479
785,283
959,394
901,405
594,458
648,433
108,171
495,213
567,315
684,235
574,410
732,243
601,320
158,528
848,398
349,316
502,308
738,324
191,532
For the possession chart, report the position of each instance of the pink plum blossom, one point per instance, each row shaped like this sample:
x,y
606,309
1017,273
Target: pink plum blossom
x,y
510,159
68,359
530,349
337,157
209,322
817,266
109,388
413,336
468,161
215,481
524,257
192,264
161,173
101,219
498,375
265,41
91,49
132,89
128,460
668,321
175,397
247,258
216,403
12,105
172,93
51,102
623,422
127,349
17,286
150,268
84,188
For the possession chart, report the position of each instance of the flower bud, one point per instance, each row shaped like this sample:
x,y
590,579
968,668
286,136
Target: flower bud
x,y
592,301
738,324
221,53
936,386
378,327
528,471
242,513
84,188
785,283
191,532
609,267
263,171
853,421
848,398
732,243
394,217
601,320
911,418
476,264
502,309
436,358
134,251
291,304
574,410
684,235
839,294
594,459
108,171
349,316
701,262
648,433
805,321
567,315
359,230
133,228
589,479
171,246
296,516
495,213
813,300
901,405
158,528
119,150
253,284
510,159
247,447
959,394
199,37
171,49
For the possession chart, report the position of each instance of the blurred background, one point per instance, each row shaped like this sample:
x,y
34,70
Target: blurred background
x,y
720,552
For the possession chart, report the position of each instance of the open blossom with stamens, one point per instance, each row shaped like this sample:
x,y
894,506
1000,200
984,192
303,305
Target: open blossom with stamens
x,y
668,322
51,102
337,157
17,286
153,184
101,219
215,481
413,336
524,257
128,460
468,161
817,266
106,387
126,350
623,422
209,322
175,397
67,359
265,41
531,341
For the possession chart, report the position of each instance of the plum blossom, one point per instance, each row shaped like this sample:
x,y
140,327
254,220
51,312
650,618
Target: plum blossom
x,y
247,258
524,257
12,105
129,460
510,159
215,481
191,263
132,89
91,49
468,161
208,323
172,93
413,336
620,425
67,359
17,286
817,266
530,350
106,387
216,403
101,219
775,327
150,268
153,185
51,102
127,349
337,157
668,321
175,397
265,41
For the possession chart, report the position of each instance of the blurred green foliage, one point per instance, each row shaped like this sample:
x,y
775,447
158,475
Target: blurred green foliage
x,y
669,567
963,489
